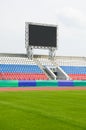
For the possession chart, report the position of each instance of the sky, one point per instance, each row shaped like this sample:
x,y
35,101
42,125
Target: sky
x,y
68,15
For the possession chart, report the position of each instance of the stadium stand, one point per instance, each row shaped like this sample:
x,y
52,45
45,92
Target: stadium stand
x,y
74,67
20,68
75,72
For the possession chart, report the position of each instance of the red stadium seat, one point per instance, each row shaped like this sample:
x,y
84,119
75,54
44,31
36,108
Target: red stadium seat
x,y
23,76
78,76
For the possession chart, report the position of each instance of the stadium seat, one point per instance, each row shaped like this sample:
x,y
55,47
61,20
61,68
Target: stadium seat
x,y
18,68
75,72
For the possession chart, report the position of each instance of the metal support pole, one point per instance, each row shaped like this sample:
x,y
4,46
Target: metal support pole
x,y
51,53
30,52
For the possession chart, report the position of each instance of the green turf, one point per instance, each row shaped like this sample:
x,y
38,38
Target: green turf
x,y
43,110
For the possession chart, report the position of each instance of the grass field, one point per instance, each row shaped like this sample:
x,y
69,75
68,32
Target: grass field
x,y
43,110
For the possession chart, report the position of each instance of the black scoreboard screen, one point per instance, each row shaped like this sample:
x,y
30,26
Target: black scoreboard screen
x,y
44,36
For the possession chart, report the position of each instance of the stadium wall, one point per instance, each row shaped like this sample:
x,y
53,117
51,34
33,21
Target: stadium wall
x,y
42,83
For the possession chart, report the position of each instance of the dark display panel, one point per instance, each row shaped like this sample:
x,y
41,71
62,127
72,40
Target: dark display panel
x,y
44,36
